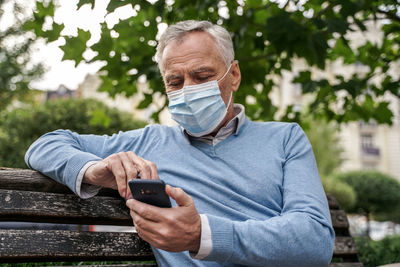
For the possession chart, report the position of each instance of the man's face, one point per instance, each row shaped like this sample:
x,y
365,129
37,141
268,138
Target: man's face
x,y
194,60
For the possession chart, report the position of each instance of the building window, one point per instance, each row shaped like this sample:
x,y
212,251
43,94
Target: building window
x,y
367,146
367,141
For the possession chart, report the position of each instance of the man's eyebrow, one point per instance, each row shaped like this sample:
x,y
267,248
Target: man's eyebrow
x,y
203,69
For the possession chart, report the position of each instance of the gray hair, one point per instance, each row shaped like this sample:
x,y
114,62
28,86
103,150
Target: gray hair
x,y
179,30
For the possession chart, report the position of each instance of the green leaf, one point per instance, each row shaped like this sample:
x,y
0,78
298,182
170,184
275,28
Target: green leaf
x,y
148,99
337,25
54,33
253,3
84,2
75,46
114,4
383,114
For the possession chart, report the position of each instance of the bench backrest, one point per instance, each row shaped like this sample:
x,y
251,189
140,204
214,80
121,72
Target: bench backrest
x,y
27,195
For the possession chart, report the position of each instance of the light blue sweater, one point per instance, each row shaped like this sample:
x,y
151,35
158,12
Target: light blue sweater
x,y
259,188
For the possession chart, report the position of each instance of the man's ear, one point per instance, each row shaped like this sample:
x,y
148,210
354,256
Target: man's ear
x,y
236,76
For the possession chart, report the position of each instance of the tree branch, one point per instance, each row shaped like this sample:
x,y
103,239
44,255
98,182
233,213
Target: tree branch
x,y
390,15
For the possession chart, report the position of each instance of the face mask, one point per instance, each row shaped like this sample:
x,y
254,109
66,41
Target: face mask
x,y
199,108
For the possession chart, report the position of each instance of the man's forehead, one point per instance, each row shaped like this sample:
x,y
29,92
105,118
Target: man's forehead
x,y
197,48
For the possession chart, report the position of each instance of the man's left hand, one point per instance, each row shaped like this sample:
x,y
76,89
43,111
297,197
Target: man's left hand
x,y
172,229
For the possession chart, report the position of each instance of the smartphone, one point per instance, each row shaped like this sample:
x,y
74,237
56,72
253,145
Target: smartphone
x,y
150,191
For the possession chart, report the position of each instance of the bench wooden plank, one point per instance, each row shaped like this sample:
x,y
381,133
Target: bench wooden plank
x,y
30,180
344,246
39,245
339,219
346,264
333,204
34,206
59,208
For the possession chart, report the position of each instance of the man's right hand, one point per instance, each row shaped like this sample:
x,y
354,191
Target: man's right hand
x,y
117,169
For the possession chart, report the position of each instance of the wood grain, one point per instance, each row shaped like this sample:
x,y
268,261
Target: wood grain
x,y
30,245
30,180
344,246
60,208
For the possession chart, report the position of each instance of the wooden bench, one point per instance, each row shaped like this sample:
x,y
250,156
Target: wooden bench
x,y
28,196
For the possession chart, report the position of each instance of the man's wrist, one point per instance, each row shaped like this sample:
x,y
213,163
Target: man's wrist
x,y
87,174
196,241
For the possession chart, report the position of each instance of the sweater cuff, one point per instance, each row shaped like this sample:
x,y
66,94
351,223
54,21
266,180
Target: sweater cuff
x,y
222,239
74,166
84,190
205,240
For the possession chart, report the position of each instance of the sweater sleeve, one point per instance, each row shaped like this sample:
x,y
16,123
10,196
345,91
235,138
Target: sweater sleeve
x,y
302,235
62,154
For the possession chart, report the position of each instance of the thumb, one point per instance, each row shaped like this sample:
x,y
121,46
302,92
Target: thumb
x,y
180,197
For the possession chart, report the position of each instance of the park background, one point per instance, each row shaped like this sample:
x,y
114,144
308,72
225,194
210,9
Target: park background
x,y
331,66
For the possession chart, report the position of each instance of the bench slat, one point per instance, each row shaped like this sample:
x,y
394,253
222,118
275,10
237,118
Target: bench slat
x,y
31,245
344,246
30,180
34,206
339,219
59,208
333,204
346,264
71,245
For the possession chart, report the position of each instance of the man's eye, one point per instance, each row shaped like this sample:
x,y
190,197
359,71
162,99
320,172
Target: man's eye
x,y
204,78
174,84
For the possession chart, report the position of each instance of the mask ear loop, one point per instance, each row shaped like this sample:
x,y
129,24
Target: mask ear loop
x,y
230,100
226,73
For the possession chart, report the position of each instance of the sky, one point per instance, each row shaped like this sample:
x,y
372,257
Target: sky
x,y
64,72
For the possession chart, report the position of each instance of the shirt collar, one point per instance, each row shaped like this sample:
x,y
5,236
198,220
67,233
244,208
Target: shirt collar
x,y
232,127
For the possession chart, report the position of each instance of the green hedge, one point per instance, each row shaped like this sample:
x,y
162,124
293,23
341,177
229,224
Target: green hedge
x,y
21,126
374,253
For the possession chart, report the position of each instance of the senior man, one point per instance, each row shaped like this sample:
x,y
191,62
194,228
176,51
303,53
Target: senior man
x,y
245,193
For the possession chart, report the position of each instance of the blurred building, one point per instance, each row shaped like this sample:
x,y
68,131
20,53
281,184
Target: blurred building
x,y
61,92
366,145
89,89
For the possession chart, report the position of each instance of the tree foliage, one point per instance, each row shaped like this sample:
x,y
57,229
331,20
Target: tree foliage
x,y
377,193
324,139
377,253
22,126
268,36
16,67
343,193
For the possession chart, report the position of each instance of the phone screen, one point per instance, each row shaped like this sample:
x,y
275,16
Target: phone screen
x,y
150,191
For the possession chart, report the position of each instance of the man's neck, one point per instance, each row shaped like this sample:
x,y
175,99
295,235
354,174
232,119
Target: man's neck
x,y
228,117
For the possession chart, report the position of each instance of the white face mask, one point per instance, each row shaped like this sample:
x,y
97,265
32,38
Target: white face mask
x,y
199,108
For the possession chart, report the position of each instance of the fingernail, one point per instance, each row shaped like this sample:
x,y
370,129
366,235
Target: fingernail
x,y
123,194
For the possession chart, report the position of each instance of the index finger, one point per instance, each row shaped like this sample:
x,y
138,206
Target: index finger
x,y
147,211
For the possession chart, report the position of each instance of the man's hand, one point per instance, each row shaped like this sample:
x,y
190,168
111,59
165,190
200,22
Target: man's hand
x,y
117,169
171,229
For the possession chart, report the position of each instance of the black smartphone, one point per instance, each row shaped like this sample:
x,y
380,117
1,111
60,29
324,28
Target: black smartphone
x,y
150,191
